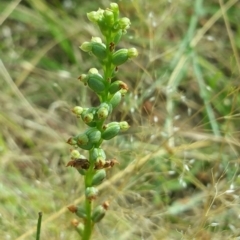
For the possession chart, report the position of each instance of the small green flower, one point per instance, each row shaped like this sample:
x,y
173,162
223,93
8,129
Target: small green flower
x,y
98,213
98,155
75,154
79,211
78,110
114,7
97,40
95,47
86,47
132,52
82,139
72,141
79,227
116,86
99,177
95,16
124,126
124,23
99,50
111,130
108,18
94,135
96,82
103,111
87,116
91,193
120,57
117,36
116,99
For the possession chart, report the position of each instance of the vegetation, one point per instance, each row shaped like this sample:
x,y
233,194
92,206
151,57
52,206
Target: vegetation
x,y
110,93
178,176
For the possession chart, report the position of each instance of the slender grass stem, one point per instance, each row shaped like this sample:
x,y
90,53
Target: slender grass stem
x,y
204,94
178,66
39,226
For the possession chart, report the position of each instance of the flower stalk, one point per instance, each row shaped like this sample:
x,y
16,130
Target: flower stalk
x,y
110,93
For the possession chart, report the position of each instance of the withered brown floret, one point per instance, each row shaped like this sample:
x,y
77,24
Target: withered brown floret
x,y
79,163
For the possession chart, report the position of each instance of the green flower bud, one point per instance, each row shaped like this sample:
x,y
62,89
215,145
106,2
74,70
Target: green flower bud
x,y
75,154
118,36
111,130
93,71
123,92
124,126
97,40
95,16
82,171
104,105
80,228
99,177
108,18
124,23
79,211
93,134
114,7
77,110
116,86
83,142
98,154
87,146
86,47
116,99
96,83
96,47
94,154
98,213
132,52
99,50
120,57
72,141
103,111
82,139
87,116
91,193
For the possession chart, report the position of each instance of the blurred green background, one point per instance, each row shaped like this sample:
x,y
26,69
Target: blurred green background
x,y
178,176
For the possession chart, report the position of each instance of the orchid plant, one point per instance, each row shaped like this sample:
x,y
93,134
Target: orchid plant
x,y
110,93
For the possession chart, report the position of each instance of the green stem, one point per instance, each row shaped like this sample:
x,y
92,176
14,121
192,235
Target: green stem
x,y
88,222
88,203
39,226
90,173
116,26
108,65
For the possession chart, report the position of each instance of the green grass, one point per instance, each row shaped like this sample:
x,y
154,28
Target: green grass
x,y
178,176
